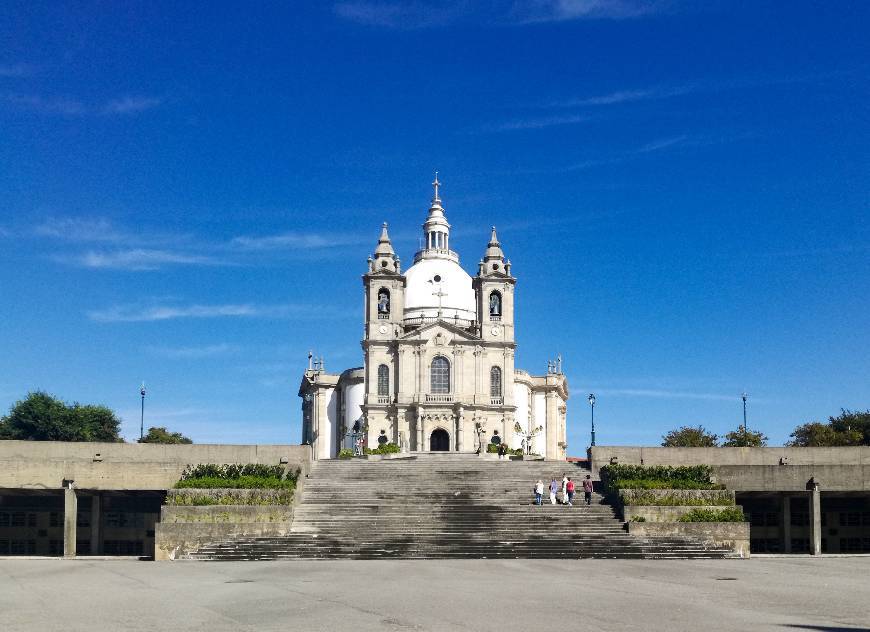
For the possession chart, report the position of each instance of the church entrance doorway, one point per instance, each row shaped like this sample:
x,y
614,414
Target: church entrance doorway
x,y
439,441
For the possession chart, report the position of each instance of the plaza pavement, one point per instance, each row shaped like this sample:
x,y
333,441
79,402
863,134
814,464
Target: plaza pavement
x,y
480,595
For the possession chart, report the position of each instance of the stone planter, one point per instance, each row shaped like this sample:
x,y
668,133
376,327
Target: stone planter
x,y
734,535
663,513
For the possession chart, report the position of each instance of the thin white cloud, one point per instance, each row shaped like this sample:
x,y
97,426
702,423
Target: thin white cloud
x,y
537,11
666,394
536,123
192,353
131,105
137,259
627,96
16,70
139,313
79,229
415,14
67,106
47,105
662,143
402,15
293,240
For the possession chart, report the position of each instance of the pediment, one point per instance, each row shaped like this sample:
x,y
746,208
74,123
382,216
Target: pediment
x,y
447,331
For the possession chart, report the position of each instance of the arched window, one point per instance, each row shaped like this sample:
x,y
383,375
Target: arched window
x,y
383,301
440,375
495,382
383,380
494,304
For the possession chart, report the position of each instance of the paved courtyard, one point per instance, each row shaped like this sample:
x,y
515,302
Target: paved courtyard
x,y
479,595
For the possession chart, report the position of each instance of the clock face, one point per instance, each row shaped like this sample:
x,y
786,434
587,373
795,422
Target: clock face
x,y
382,329
496,331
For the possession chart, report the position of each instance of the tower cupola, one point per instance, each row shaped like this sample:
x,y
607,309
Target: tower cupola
x,y
385,259
436,231
493,259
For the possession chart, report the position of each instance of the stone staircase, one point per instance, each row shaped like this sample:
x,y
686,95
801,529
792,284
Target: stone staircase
x,y
447,505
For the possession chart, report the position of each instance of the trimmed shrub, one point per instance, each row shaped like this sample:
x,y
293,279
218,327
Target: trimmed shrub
x,y
616,477
237,476
638,519
230,497
668,498
731,514
387,448
345,453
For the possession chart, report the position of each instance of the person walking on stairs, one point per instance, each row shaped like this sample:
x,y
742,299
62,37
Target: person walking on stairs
x,y
564,489
554,488
539,492
587,489
569,487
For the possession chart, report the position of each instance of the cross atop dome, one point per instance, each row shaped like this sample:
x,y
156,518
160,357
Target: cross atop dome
x,y
436,184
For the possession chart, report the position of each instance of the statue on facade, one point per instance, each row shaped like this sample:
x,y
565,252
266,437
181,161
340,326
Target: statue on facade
x,y
383,303
494,304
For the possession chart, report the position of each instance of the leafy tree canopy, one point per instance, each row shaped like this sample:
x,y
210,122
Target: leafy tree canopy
x,y
690,437
848,428
743,438
162,435
43,417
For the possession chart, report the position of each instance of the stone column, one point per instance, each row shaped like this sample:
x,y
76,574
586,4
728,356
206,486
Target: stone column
x,y
70,513
419,430
552,428
459,419
815,520
786,523
96,519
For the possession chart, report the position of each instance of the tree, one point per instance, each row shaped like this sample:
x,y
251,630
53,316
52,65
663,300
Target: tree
x,y
43,417
162,435
849,428
743,438
690,437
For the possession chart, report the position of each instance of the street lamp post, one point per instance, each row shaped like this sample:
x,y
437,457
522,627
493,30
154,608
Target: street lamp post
x,y
142,417
744,396
592,407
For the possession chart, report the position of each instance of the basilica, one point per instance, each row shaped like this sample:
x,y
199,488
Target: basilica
x,y
438,361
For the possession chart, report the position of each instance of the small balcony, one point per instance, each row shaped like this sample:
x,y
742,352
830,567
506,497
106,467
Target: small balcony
x,y
383,317
439,399
496,401
383,399
495,319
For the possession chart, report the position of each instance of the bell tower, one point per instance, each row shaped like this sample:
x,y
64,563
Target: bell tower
x,y
384,291
494,290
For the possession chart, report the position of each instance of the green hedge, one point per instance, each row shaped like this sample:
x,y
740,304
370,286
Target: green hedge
x,y
640,496
616,477
229,497
493,449
387,448
237,476
732,514
345,453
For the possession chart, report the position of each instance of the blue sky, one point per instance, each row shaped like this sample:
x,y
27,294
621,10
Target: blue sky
x,y
188,195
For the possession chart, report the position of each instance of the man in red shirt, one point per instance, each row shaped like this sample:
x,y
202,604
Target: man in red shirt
x,y
569,487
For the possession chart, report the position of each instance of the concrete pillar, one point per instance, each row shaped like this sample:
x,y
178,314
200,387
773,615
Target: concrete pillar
x,y
786,523
70,513
96,519
815,520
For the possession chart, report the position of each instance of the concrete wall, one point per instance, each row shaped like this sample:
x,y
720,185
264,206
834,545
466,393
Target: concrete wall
x,y
785,478
628,455
734,535
125,466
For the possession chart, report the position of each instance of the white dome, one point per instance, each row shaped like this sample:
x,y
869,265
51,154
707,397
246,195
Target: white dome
x,y
426,277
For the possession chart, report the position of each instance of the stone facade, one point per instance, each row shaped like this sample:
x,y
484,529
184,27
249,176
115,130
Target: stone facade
x,y
438,360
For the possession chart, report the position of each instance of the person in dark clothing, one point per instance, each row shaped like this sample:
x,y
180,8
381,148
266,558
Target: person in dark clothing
x,y
587,489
